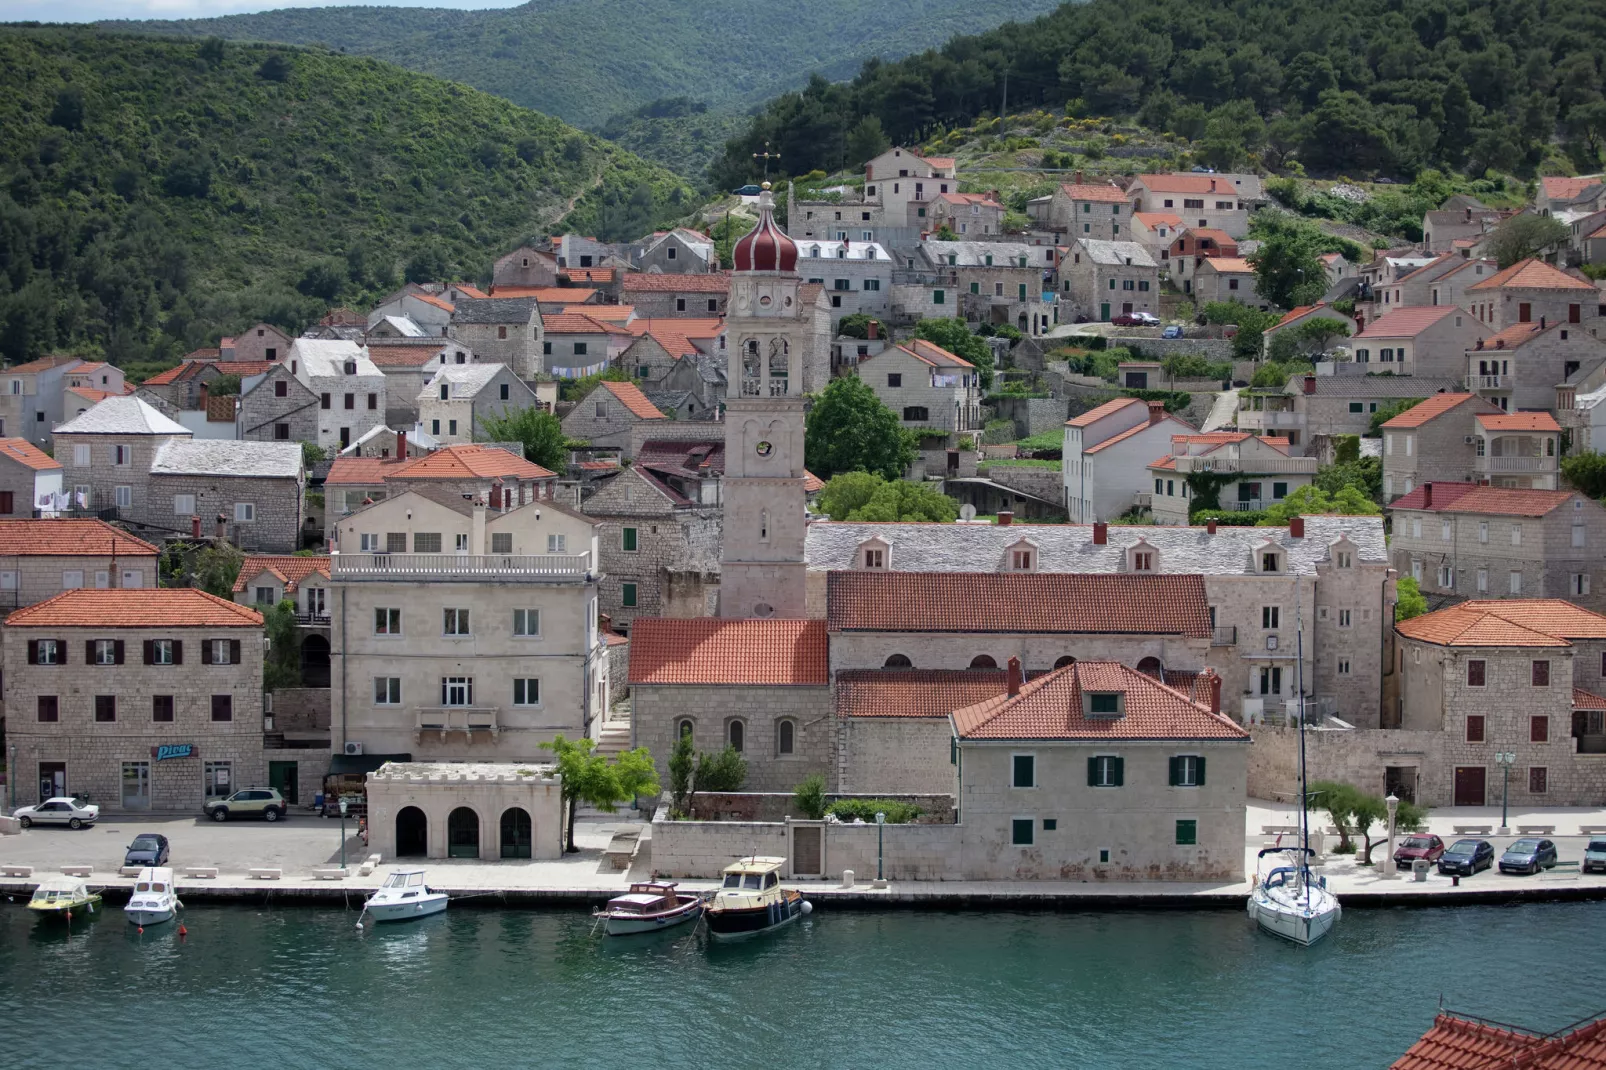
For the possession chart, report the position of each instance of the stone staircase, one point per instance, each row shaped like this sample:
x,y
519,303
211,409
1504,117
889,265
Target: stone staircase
x,y
614,738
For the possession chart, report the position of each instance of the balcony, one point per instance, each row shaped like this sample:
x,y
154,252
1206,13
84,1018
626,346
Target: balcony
x,y
449,719
313,620
1260,466
1489,382
461,568
1224,636
1252,420
1245,505
1514,464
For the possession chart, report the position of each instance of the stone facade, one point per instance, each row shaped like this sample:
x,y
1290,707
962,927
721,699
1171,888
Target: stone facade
x,y
1521,368
1431,340
503,330
660,710
650,535
893,755
272,525
605,418
1376,760
34,577
261,342
490,792
279,408
453,403
1101,280
926,389
32,397
1439,449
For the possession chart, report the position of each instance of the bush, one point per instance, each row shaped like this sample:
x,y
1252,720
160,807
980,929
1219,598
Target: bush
x,y
1088,341
897,813
722,771
1227,518
1193,366
810,796
1175,400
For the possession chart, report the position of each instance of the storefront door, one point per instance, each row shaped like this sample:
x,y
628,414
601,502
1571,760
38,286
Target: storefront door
x,y
285,777
52,780
136,785
219,779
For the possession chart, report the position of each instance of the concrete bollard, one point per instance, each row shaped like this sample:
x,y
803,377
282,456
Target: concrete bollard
x,y
847,878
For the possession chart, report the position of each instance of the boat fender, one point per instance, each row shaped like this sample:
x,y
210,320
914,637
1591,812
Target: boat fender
x,y
808,907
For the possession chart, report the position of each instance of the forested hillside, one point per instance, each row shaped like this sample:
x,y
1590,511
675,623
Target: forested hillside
x,y
156,193
588,60
1366,87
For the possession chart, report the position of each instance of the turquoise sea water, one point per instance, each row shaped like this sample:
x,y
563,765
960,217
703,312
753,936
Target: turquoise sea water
x,y
293,987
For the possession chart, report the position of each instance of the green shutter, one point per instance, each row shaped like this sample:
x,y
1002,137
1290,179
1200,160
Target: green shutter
x,y
953,750
1187,832
1023,292
629,540
1092,772
1200,766
628,594
1120,770
1176,770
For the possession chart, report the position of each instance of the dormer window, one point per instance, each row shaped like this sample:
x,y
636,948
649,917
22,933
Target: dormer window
x,y
1269,562
1020,560
351,367
875,557
1103,703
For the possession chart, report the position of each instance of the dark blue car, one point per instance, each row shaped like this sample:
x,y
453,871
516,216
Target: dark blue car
x,y
1466,857
148,849
1528,856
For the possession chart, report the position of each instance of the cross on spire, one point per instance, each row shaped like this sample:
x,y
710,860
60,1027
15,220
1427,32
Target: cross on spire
x,y
766,156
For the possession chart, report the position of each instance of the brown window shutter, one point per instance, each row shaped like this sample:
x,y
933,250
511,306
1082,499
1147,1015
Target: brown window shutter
x,y
234,652
89,652
206,652
146,648
33,652
117,651
61,645
178,652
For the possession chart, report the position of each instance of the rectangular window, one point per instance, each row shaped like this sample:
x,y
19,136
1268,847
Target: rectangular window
x,y
426,542
1270,617
1541,674
183,505
350,401
1104,703
527,623
1187,771
1516,534
1483,581
1187,832
80,456
323,401
627,540
1343,667
627,595
1474,728
938,297
51,651
526,691
1475,672
1580,583
1514,582
387,691
125,497
1023,771
162,708
1344,618
1105,771
501,542
1538,780
49,709
161,652
457,690
105,708
557,543
387,622
244,512
454,622
1020,831
894,379
1539,729
1483,531
104,652
222,707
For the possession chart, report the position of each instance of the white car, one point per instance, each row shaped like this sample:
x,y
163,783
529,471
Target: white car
x,y
1148,319
58,811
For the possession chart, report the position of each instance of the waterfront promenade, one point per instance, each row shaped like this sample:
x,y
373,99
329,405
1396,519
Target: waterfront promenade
x,y
304,844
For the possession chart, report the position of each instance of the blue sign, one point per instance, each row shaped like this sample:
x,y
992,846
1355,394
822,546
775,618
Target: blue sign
x,y
174,750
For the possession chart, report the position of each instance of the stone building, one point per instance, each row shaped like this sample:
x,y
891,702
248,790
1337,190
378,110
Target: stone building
x,y
39,559
608,415
181,387
1227,278
349,387
456,399
484,810
1295,317
857,276
1429,340
259,344
1323,406
669,295
969,215
431,312
676,252
30,480
927,386
1088,210
279,407
1530,290
1248,473
576,345
1101,279
1107,453
503,330
1191,248
1219,201
1522,676
32,396
462,632
1522,366
991,282
1452,222
1433,441
144,699
525,266
258,488
1461,540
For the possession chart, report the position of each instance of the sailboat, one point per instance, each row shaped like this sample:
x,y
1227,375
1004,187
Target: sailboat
x,y
1290,901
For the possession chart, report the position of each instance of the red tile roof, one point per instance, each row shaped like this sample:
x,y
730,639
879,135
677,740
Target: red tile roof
x,y
289,568
467,461
557,295
1506,622
708,283
633,399
933,354
361,471
1472,498
1532,274
180,373
1457,1043
708,650
1187,184
676,334
576,323
1106,194
93,395
1228,265
587,274
1135,429
471,291
914,692
1587,700
1408,321
1050,707
1564,188
618,314
1054,603
1092,416
812,482
1517,334
1431,409
162,607
1154,219
1518,421
431,299
1301,312
26,453
410,356
42,364
63,538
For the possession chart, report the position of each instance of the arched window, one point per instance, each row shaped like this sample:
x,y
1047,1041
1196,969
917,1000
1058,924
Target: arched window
x,y
752,368
683,728
736,735
785,736
1151,666
1066,660
779,366
983,661
898,661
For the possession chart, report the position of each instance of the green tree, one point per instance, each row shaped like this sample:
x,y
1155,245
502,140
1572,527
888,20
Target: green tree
x,y
849,429
276,68
312,454
724,770
682,762
589,777
1409,600
956,338
1340,801
215,568
810,796
539,431
1274,373
858,326
224,386
865,496
282,666
1365,474
1586,472
1318,331
1385,413
1311,500
1521,236
866,141
1288,269
1369,810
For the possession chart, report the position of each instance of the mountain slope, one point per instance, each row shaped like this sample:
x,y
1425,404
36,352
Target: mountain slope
x,y
156,193
587,60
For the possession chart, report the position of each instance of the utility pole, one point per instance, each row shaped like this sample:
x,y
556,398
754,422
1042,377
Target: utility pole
x,y
1003,108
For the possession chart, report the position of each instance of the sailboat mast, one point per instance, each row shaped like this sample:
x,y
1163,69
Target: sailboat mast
x,y
1304,794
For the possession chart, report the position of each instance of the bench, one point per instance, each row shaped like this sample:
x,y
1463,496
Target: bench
x,y
265,873
1473,830
329,873
368,865
199,872
129,871
1537,830
622,848
77,871
16,871
1591,830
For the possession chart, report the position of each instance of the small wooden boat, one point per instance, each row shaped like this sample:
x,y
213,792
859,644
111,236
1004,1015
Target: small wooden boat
x,y
649,907
153,899
751,899
58,897
403,897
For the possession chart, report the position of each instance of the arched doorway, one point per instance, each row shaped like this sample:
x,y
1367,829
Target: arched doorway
x,y
1151,666
516,833
983,661
412,833
315,661
463,833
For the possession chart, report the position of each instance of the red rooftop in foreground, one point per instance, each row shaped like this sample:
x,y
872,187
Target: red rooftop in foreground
x,y
1460,1042
708,650
165,607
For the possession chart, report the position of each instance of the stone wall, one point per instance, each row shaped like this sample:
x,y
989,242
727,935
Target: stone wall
x,y
1045,483
1031,415
262,411
277,503
703,848
658,710
489,795
881,755
1359,757
935,809
301,709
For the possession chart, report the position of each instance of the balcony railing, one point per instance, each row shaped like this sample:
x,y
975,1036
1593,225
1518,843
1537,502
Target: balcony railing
x,y
1515,464
1490,382
447,719
318,620
1257,466
1227,635
1248,418
1245,505
461,568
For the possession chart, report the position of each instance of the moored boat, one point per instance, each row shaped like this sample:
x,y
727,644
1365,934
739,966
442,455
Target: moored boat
x,y
751,899
403,897
649,906
1292,903
59,897
154,899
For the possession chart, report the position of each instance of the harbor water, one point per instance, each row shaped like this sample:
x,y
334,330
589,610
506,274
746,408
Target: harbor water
x,y
287,987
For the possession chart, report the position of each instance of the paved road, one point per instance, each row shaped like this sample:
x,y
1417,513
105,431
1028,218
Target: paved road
x,y
1223,411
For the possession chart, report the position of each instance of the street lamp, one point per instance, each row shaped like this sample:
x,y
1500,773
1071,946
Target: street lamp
x,y
1505,759
880,824
1388,860
344,802
11,775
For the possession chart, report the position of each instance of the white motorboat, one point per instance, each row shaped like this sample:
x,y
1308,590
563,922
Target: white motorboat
x,y
649,907
403,897
154,899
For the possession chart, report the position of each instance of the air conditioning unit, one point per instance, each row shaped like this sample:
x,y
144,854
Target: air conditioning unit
x,y
1467,439
1271,644
353,750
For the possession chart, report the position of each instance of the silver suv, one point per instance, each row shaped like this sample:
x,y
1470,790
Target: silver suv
x,y
265,803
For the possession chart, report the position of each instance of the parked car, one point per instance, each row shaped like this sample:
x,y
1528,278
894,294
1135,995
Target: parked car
x,y
148,849
58,811
265,803
1420,846
1466,857
1172,331
1135,319
1528,856
1595,856
749,190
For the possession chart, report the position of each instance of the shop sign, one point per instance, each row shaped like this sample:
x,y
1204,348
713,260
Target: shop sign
x,y
174,750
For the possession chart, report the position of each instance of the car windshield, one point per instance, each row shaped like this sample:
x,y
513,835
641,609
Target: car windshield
x,y
1419,841
143,843
1524,846
1597,845
1463,847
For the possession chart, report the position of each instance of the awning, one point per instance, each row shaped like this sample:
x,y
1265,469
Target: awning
x,y
341,764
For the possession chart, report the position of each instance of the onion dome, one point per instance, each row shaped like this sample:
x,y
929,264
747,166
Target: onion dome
x,y
766,247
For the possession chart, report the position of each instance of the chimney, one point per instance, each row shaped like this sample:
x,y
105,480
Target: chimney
x,y
1310,384
222,526
1215,690
401,445
1210,526
1078,178
1014,676
873,331
195,527
1427,495
1469,213
1006,517
1101,534
1360,321
1296,527
1156,412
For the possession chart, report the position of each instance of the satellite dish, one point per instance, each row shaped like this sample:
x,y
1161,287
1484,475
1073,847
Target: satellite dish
x,y
967,512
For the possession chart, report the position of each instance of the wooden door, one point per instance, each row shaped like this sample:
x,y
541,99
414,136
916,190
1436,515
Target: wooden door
x,y
806,860
1469,785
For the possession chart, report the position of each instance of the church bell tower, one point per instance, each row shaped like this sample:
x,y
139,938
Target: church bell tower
x,y
762,567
